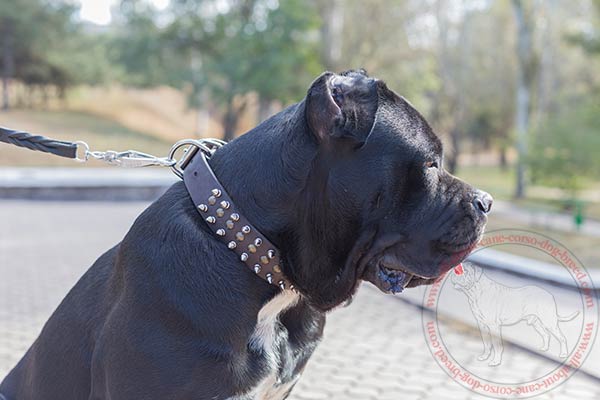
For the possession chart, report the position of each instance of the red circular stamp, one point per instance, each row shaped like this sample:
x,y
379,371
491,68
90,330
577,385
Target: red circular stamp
x,y
560,324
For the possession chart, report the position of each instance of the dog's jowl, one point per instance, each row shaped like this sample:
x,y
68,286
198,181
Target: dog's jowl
x,y
348,185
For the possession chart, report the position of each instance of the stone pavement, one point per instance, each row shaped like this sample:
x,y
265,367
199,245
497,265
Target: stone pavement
x,y
373,349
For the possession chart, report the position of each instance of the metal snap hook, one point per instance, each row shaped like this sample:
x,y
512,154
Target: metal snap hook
x,y
86,151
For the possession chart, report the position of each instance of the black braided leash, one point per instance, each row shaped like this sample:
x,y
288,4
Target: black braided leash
x,y
38,143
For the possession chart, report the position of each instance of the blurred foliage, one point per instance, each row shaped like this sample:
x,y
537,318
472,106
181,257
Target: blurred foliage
x,y
43,47
219,52
567,145
31,33
565,148
456,60
139,50
250,46
590,39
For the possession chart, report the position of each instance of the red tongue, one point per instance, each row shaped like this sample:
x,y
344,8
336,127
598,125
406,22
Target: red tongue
x,y
458,270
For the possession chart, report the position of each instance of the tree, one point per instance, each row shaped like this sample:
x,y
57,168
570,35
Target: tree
x,y
525,77
251,46
332,32
488,81
32,32
137,44
565,144
285,56
16,36
590,40
566,154
449,106
470,68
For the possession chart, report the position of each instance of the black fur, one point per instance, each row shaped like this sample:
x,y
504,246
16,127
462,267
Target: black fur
x,y
336,181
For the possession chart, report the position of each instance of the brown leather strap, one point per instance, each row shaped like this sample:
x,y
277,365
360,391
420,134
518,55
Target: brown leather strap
x,y
229,225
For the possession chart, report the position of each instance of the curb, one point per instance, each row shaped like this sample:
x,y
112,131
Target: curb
x,y
88,184
527,267
83,193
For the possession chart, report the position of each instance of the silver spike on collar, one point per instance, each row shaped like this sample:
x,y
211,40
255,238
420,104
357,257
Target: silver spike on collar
x,y
230,226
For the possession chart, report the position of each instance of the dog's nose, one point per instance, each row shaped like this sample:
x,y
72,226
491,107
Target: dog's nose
x,y
483,201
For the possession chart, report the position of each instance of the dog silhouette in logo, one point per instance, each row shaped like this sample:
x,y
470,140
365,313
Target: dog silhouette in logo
x,y
495,305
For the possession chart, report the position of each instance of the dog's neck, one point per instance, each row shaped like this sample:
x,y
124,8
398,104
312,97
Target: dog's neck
x,y
277,175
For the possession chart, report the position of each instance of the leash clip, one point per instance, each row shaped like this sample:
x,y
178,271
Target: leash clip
x,y
137,159
131,159
125,159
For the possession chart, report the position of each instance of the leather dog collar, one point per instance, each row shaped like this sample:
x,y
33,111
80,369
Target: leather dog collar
x,y
229,225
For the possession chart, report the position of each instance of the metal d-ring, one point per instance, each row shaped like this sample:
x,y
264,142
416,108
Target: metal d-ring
x,y
207,146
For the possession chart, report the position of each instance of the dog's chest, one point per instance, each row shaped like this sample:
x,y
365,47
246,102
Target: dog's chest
x,y
269,339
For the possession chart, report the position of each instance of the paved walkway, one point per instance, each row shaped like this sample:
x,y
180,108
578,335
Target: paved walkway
x,y
373,349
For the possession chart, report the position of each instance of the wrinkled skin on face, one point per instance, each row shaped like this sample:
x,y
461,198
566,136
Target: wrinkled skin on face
x,y
390,179
350,187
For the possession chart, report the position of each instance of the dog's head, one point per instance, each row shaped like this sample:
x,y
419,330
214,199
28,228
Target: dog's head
x,y
394,214
470,275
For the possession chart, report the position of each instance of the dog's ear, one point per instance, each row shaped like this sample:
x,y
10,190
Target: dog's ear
x,y
342,106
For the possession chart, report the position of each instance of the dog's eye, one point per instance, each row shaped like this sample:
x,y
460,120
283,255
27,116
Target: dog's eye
x,y
431,164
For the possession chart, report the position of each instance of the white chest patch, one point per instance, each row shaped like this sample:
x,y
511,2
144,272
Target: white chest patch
x,y
264,340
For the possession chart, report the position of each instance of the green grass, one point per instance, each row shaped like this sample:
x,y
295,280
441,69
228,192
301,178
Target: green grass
x,y
100,133
494,180
500,183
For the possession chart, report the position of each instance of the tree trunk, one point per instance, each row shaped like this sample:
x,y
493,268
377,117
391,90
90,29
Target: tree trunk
x,y
452,164
264,109
202,115
523,98
547,83
229,122
503,160
449,104
442,63
8,63
332,33
231,118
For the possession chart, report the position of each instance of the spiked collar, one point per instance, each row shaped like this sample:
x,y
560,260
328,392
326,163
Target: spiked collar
x,y
227,222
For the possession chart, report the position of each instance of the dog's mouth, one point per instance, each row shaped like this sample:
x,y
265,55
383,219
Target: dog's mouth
x,y
398,279
387,272
393,279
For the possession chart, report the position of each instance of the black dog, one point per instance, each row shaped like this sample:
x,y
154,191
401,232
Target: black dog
x,y
348,184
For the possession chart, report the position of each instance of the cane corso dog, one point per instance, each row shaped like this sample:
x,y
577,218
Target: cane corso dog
x,y
348,184
495,305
